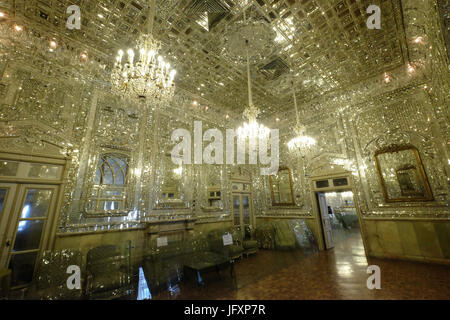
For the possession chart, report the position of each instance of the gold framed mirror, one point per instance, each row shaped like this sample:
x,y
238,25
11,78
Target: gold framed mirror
x,y
402,175
281,187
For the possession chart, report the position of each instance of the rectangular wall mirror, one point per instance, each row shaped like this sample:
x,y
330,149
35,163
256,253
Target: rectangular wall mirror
x,y
212,185
214,196
281,187
402,175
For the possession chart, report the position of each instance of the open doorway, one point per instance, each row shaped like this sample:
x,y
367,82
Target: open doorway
x,y
338,215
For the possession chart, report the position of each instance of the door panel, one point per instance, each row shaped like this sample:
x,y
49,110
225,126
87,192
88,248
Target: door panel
x,y
326,221
27,229
3,193
37,203
28,235
242,213
246,209
7,198
23,268
237,210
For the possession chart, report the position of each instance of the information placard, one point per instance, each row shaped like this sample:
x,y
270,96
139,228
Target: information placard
x,y
227,239
161,242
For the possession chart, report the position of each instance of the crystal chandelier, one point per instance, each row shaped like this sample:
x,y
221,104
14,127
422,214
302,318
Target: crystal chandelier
x,y
144,74
178,171
252,128
301,143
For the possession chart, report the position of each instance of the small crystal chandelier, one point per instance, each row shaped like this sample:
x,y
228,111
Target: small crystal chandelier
x,y
178,171
252,128
301,143
144,74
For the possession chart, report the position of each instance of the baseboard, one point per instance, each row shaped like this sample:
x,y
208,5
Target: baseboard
x,y
412,258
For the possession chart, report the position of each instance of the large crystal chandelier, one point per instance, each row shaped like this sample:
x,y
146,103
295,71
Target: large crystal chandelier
x,y
301,143
144,74
252,128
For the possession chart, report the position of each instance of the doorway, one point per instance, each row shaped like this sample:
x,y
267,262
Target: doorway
x,y
338,216
30,193
25,223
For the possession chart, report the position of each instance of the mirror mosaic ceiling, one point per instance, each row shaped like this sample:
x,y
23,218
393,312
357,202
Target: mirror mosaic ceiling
x,y
325,45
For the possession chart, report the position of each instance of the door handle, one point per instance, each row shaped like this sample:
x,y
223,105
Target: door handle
x,y
8,243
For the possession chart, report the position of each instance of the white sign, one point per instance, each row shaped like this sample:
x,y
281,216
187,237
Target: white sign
x,y
227,239
374,281
74,21
161,242
213,153
74,280
374,21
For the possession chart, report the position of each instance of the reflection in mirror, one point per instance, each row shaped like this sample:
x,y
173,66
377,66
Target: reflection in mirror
x,y
402,175
213,190
281,187
171,181
214,197
108,194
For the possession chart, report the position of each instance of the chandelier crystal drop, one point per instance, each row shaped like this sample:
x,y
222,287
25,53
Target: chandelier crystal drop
x,y
144,73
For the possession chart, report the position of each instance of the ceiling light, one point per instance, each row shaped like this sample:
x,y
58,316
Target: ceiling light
x,y
53,44
144,73
279,38
252,129
18,28
84,56
387,78
178,171
2,15
410,68
418,40
302,143
100,16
